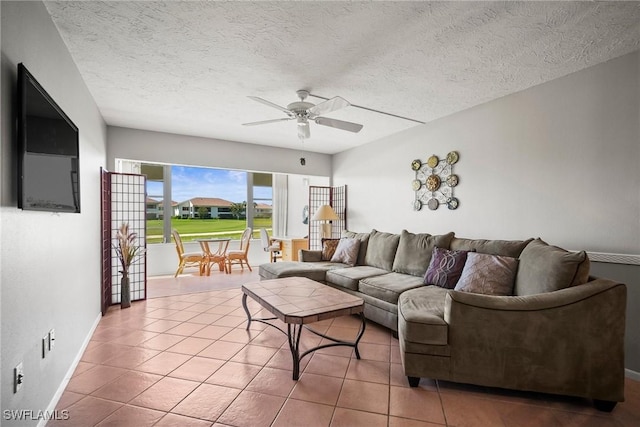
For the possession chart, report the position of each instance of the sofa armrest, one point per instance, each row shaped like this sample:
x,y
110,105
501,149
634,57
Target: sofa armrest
x,y
309,256
569,341
535,302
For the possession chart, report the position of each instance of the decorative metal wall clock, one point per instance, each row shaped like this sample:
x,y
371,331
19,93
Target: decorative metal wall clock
x,y
435,181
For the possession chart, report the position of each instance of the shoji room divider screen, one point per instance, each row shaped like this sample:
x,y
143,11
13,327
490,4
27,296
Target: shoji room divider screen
x,y
123,200
336,197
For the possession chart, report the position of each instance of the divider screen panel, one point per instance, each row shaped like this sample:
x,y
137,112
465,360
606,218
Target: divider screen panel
x,y
105,230
128,205
336,197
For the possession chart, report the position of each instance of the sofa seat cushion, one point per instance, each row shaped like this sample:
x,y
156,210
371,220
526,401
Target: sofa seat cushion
x,y
388,287
421,316
349,277
311,270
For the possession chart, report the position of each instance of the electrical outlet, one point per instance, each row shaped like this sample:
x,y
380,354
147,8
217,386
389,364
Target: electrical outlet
x,y
45,346
18,378
52,339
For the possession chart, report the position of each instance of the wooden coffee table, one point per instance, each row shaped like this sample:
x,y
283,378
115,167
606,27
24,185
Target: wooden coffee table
x,y
298,301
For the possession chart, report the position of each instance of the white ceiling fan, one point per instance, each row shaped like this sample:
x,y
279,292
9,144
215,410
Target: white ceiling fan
x,y
304,111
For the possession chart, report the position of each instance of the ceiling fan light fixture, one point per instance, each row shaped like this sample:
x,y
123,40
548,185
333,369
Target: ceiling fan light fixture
x,y
303,131
302,121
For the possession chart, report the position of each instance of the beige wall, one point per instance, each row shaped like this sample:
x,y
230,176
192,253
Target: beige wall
x,y
560,161
50,262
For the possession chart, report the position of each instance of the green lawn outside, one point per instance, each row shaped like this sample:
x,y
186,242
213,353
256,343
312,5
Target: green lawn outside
x,y
192,229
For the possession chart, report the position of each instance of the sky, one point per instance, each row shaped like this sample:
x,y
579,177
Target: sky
x,y
190,182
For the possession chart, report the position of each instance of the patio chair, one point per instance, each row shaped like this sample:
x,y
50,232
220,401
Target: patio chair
x,y
240,256
191,259
270,245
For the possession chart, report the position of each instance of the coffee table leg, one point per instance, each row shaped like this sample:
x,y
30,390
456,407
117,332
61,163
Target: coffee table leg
x,y
293,333
246,310
362,327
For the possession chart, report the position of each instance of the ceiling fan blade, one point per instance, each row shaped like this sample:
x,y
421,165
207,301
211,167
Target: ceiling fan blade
x,y
271,104
303,131
339,124
328,106
264,122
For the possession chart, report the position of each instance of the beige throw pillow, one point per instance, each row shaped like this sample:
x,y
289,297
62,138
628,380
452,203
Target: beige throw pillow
x,y
488,274
347,251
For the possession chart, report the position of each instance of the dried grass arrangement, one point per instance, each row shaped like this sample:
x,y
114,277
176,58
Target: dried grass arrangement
x,y
127,251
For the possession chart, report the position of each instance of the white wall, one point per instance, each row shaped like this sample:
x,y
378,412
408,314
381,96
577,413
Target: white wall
x,y
560,160
159,147
298,188
50,263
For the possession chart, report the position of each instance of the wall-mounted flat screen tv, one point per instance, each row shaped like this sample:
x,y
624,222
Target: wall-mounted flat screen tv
x,y
48,150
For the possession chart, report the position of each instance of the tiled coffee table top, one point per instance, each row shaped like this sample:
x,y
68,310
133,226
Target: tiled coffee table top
x,y
299,300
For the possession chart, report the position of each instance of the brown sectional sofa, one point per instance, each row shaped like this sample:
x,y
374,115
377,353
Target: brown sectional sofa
x,y
560,331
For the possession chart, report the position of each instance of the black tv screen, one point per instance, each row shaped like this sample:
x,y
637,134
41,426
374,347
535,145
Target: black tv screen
x,y
48,164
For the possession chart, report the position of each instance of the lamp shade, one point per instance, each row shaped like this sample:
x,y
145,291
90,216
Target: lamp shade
x,y
325,213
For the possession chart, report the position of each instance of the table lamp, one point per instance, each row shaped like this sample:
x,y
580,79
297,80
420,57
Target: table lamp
x,y
325,213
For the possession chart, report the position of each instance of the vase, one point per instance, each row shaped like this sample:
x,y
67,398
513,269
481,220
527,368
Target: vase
x,y
125,293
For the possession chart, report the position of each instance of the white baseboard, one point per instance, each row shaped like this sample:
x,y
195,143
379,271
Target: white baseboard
x,y
72,368
632,374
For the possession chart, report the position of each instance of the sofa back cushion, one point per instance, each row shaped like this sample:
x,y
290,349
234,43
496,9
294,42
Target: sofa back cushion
x,y
510,248
381,249
364,241
546,268
415,251
488,274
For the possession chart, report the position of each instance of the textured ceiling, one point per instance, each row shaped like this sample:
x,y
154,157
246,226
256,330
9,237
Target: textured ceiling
x,y
188,67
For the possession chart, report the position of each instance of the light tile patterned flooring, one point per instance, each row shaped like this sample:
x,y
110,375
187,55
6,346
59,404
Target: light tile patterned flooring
x,y
186,360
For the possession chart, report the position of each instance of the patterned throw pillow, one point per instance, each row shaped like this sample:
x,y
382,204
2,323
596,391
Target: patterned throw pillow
x,y
347,251
445,267
329,248
488,274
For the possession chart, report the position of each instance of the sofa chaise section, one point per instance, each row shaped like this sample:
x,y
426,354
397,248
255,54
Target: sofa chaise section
x,y
568,342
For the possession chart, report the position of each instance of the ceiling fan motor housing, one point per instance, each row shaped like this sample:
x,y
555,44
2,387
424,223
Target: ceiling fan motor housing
x,y
300,108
